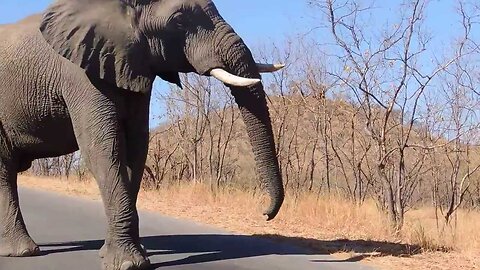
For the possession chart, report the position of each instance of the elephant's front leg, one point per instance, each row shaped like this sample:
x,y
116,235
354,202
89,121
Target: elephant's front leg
x,y
137,134
137,138
108,164
102,139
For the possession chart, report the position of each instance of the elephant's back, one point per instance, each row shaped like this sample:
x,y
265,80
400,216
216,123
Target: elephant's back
x,y
23,55
28,65
24,49
20,30
21,39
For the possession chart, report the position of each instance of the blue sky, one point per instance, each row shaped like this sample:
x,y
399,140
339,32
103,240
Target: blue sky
x,y
264,21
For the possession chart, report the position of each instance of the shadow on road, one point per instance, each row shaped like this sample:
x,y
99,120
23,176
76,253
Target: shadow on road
x,y
361,249
346,245
216,247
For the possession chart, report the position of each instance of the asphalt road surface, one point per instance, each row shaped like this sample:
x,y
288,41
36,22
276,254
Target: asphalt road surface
x,y
70,232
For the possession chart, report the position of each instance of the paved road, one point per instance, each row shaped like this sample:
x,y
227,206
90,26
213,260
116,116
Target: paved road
x,y
70,231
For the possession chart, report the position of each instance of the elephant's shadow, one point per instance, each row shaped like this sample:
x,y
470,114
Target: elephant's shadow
x,y
220,247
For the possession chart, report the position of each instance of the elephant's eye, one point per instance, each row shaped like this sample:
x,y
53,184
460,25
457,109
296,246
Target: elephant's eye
x,y
178,20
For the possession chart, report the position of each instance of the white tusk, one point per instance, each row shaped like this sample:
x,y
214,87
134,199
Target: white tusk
x,y
230,79
269,68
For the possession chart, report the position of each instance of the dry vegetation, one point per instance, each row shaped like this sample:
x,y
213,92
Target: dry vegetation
x,y
327,225
377,138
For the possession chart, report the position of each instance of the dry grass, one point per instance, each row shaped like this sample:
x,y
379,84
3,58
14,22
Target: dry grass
x,y
329,225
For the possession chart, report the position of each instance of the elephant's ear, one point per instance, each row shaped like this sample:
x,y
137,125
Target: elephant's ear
x,y
101,37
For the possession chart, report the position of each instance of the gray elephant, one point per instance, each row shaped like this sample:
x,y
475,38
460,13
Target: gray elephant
x,y
80,77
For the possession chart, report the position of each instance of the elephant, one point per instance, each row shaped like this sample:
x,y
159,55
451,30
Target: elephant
x,y
79,77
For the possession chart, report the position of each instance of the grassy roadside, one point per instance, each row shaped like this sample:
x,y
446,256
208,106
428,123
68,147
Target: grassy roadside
x,y
327,225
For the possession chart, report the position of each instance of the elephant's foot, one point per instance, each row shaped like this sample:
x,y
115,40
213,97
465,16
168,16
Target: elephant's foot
x,y
103,251
24,247
123,258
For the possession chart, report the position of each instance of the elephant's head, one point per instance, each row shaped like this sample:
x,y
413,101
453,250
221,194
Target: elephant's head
x,y
129,42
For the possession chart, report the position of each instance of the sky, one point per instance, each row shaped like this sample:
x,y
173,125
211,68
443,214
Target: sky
x,y
262,21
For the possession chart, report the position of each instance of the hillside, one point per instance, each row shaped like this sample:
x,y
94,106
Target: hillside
x,y
323,145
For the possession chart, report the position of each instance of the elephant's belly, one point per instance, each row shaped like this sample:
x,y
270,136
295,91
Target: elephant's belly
x,y
50,138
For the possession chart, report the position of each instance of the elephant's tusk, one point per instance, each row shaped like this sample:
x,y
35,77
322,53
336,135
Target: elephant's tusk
x,y
233,80
269,68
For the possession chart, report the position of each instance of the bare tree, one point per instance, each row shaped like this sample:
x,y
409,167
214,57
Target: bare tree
x,y
382,68
194,141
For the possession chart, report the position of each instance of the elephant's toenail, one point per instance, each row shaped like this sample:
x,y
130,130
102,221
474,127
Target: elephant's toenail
x,y
30,252
144,265
127,266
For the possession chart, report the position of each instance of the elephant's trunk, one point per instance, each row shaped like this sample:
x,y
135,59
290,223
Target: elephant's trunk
x,y
253,107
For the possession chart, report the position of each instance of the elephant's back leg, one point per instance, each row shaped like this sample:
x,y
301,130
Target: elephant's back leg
x,y
14,238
